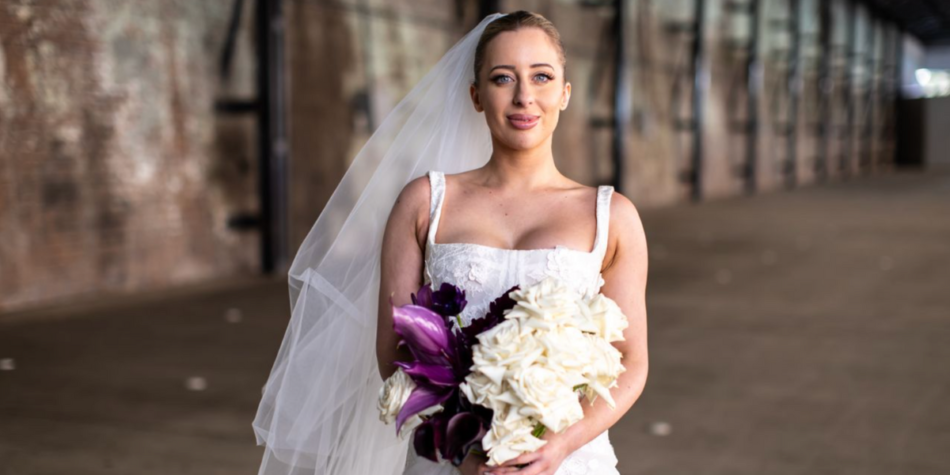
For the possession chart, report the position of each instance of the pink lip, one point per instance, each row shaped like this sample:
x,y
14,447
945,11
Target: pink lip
x,y
523,121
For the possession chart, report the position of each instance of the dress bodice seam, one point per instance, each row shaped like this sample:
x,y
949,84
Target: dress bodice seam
x,y
437,199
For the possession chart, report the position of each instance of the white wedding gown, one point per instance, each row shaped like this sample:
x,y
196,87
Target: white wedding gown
x,y
485,272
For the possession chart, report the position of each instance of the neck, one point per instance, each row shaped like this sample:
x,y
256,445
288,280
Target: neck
x,y
523,169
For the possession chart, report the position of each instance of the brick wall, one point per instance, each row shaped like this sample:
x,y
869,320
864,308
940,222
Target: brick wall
x,y
115,174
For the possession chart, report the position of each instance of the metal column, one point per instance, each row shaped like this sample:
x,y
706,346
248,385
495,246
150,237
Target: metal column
x,y
793,79
825,87
487,7
897,90
749,9
270,108
845,161
752,99
865,160
273,136
621,98
699,84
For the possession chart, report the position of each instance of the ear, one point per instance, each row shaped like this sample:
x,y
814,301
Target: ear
x,y
473,91
566,96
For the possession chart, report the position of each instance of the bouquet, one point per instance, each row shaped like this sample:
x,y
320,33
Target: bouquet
x,y
497,384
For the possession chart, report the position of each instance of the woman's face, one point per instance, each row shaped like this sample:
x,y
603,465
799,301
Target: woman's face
x,y
521,88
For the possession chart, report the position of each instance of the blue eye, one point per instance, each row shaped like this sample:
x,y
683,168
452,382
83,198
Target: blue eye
x,y
547,77
496,79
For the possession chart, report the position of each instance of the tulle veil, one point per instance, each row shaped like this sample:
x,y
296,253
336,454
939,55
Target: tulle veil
x,y
318,411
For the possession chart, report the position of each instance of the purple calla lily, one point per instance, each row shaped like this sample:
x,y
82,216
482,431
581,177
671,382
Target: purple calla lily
x,y
424,331
422,398
462,431
434,374
442,358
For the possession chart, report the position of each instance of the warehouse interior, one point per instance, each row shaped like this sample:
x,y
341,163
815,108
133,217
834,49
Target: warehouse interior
x,y
161,163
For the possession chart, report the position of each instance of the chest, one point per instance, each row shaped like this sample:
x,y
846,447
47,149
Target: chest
x,y
517,224
485,273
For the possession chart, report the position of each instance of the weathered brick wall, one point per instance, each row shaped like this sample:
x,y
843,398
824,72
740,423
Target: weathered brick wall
x,y
115,173
350,63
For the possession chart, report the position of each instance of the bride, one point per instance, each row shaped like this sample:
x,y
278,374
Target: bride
x,y
488,225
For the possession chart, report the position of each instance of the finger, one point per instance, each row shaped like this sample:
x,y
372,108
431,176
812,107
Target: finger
x,y
536,468
500,469
522,459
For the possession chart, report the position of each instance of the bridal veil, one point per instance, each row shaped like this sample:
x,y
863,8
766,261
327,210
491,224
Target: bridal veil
x,y
318,411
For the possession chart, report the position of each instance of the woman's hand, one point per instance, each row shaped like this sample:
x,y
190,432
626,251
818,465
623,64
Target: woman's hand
x,y
544,461
475,464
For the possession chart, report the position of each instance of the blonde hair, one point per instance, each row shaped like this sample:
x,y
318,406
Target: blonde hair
x,y
513,22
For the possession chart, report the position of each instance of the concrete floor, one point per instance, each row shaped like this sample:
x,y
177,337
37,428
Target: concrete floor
x,y
803,332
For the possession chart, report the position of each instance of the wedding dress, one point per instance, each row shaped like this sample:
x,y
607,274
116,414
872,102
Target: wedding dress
x,y
485,272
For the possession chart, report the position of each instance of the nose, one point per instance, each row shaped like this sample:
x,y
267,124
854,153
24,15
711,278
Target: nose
x,y
523,94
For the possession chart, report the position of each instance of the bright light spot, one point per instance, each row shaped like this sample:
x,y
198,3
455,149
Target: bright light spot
x,y
233,315
196,383
934,82
661,428
7,364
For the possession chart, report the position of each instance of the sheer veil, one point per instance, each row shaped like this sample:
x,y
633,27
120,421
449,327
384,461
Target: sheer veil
x,y
318,411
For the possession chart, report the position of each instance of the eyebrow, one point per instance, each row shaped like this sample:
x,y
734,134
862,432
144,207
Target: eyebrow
x,y
508,66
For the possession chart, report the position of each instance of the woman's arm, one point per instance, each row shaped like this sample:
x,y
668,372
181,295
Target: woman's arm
x,y
625,279
401,263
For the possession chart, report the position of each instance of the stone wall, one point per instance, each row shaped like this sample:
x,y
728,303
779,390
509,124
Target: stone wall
x,y
117,175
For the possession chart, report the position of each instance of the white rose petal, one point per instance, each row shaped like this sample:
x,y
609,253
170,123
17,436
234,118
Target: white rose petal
x,y
393,395
526,368
608,318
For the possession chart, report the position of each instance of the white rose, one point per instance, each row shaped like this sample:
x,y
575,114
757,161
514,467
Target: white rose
x,y
544,305
509,438
546,397
566,351
393,395
481,390
605,369
607,317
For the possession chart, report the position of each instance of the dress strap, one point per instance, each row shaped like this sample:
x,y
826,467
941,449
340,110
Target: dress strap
x,y
604,192
437,193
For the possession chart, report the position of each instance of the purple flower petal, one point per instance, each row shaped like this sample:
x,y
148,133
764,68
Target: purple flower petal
x,y
448,301
423,298
423,330
433,374
423,440
463,431
422,398
494,316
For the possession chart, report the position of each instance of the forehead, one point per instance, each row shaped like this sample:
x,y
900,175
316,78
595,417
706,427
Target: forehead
x,y
522,47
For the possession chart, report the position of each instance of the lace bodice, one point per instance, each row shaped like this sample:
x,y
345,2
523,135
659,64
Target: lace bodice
x,y
485,272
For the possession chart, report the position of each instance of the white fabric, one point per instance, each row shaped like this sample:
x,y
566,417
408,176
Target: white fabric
x,y
317,414
485,272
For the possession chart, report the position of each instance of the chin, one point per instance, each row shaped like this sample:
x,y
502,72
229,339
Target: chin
x,y
523,140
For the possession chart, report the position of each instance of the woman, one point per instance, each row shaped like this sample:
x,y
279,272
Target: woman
x,y
513,219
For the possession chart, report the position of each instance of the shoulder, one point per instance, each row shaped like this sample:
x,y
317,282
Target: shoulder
x,y
410,212
622,209
626,228
413,199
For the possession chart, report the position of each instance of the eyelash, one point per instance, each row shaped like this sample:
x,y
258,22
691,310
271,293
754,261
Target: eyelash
x,y
546,75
